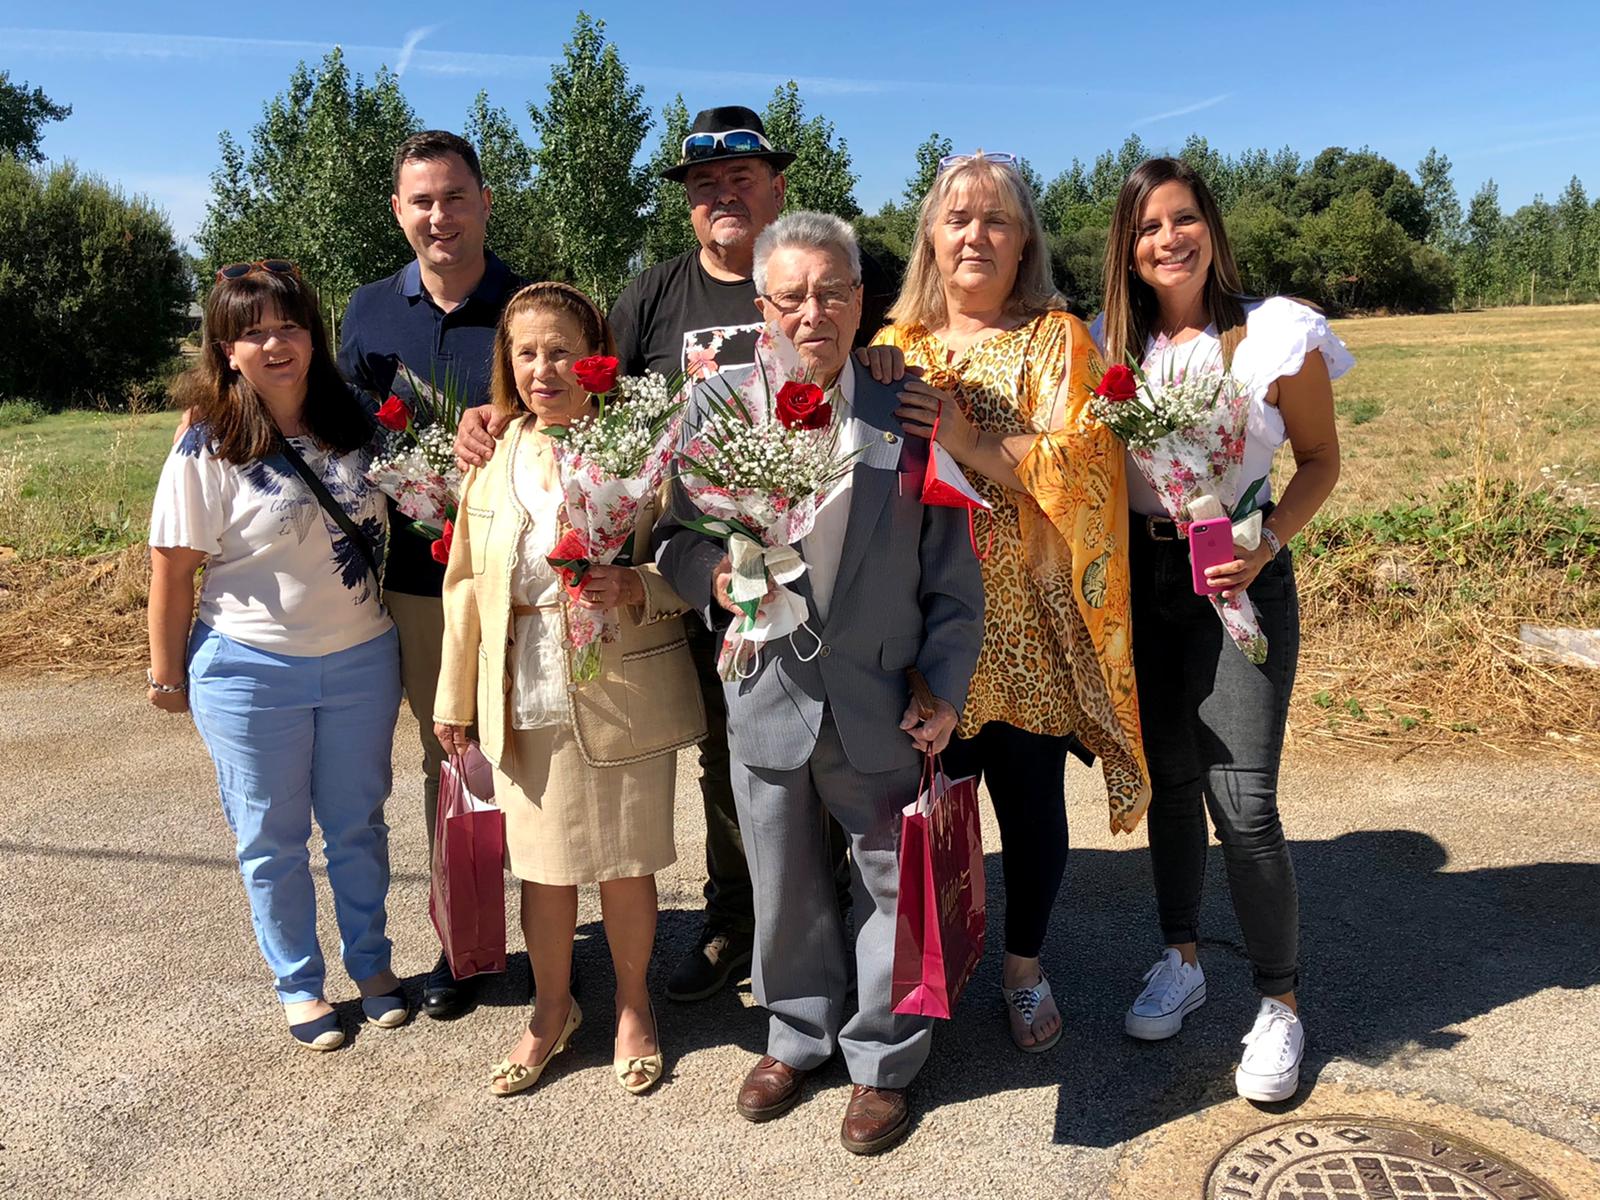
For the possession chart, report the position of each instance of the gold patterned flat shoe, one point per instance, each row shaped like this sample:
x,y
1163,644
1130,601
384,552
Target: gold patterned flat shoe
x,y
650,1066
508,1078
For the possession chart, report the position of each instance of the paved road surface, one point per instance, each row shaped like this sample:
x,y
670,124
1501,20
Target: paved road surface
x,y
1452,950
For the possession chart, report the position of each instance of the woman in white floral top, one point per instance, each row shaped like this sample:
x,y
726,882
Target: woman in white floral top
x,y
292,669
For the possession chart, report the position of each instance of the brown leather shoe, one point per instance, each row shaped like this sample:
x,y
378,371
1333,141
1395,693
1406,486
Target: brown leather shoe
x,y
771,1089
875,1119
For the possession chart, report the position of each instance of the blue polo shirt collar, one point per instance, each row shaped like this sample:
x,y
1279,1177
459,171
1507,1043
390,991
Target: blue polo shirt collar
x,y
491,288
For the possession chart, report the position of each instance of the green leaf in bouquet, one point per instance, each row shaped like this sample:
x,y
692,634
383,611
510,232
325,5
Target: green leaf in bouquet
x,y
1247,502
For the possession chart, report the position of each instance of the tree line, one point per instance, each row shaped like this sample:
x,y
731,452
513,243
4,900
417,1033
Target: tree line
x,y
1347,229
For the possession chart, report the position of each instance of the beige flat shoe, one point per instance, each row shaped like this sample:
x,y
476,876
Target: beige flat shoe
x,y
1024,1002
508,1078
650,1066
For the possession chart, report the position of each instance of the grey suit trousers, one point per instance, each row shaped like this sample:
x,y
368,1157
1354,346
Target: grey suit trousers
x,y
800,971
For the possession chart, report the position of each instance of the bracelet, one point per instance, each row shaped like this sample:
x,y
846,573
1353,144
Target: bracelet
x,y
166,689
1272,541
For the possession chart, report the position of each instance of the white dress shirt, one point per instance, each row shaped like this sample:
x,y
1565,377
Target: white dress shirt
x,y
822,547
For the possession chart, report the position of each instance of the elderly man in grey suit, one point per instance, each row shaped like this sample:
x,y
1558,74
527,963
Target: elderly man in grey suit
x,y
890,584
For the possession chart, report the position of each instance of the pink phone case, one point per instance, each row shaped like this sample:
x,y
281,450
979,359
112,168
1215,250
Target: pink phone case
x,y
1210,544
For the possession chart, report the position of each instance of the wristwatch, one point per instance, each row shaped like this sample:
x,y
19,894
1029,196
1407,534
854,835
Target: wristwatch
x,y
1271,539
166,689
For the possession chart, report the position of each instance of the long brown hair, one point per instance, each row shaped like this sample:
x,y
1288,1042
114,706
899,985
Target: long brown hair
x,y
238,425
1131,308
921,300
549,296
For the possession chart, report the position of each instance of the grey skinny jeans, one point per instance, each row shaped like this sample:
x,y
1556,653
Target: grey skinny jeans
x,y
1213,736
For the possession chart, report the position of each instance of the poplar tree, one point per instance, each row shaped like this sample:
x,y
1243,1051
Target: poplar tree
x,y
590,192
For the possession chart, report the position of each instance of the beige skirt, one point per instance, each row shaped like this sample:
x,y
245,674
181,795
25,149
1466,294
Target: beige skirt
x,y
569,823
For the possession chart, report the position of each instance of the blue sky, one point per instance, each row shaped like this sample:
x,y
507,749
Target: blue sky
x,y
1507,91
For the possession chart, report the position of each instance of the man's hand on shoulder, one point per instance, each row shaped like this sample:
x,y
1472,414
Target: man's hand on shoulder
x,y
480,426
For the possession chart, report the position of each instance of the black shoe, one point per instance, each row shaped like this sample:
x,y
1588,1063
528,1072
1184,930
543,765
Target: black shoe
x,y
443,995
718,956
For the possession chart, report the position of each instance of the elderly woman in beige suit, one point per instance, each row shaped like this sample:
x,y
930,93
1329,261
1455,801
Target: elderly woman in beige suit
x,y
583,771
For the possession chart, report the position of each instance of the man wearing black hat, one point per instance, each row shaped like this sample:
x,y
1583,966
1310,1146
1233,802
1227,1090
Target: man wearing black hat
x,y
697,313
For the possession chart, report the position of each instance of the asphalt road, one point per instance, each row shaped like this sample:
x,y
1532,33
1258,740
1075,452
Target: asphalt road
x,y
1451,944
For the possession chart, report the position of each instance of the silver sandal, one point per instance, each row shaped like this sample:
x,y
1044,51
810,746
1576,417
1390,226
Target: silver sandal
x,y
1026,1001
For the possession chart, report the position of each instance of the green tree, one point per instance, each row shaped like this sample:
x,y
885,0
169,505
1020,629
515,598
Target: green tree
x,y
517,230
1065,193
1481,276
820,178
1573,265
1214,168
91,283
1267,244
315,183
1362,256
1529,241
668,231
23,116
1112,167
591,191
1338,172
1439,199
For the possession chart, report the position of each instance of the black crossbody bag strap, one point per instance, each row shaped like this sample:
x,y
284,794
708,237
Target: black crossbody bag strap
x,y
332,507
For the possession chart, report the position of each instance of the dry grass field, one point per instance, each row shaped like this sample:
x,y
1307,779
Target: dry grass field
x,y
1469,504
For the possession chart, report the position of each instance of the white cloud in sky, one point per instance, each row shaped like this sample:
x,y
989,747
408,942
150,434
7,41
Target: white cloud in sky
x,y
1210,102
409,47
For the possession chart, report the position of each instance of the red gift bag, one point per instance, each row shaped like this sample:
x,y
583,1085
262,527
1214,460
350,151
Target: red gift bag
x,y
939,923
943,484
466,897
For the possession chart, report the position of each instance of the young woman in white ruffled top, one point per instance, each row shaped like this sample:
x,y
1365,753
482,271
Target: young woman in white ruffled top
x,y
1213,721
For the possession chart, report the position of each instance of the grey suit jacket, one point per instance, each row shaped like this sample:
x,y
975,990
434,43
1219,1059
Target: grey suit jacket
x,y
908,593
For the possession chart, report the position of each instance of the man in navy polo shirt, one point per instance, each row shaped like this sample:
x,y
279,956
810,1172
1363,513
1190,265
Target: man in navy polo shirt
x,y
437,314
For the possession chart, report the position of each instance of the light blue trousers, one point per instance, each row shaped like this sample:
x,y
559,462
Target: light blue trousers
x,y
292,738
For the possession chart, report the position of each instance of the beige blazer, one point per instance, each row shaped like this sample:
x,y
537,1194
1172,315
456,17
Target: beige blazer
x,y
647,699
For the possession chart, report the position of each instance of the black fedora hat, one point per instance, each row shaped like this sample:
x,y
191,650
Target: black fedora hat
x,y
719,134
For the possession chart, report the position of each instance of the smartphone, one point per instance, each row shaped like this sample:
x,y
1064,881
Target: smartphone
x,y
1210,545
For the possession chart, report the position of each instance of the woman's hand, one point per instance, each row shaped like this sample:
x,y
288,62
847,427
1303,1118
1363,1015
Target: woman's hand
x,y
611,587
1233,577
886,364
452,737
921,403
172,702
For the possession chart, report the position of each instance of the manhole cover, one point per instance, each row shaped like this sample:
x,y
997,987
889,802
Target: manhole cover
x,y
1364,1158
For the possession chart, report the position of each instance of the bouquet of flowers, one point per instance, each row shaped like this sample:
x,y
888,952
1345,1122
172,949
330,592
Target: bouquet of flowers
x,y
1185,430
416,466
608,463
758,469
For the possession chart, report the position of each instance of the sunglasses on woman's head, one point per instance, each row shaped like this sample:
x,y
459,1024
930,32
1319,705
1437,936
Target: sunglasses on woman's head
x,y
735,141
273,266
998,158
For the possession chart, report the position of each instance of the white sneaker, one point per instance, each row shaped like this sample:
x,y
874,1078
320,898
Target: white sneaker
x,y
1173,990
1270,1069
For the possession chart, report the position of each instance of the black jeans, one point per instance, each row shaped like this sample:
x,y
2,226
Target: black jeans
x,y
1026,777
1213,736
730,900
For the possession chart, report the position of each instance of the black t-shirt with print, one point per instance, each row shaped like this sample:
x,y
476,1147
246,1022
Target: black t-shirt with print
x,y
676,309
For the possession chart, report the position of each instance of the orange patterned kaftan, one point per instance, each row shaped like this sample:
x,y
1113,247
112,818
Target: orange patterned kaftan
x,y
1057,656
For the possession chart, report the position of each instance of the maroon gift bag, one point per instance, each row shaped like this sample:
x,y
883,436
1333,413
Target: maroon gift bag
x,y
467,898
939,923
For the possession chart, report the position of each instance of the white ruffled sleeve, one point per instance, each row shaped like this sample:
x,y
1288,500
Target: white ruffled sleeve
x,y
1279,333
189,509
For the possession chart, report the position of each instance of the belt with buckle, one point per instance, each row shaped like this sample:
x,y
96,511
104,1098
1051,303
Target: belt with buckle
x,y
1165,529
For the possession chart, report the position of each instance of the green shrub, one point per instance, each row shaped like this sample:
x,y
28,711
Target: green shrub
x,y
19,412
92,287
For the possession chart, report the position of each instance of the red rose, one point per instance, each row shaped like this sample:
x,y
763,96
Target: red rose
x,y
801,406
394,414
597,373
1118,384
570,557
440,549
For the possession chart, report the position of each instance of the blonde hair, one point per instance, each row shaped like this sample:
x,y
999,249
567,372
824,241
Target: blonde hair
x,y
1130,303
921,300
543,297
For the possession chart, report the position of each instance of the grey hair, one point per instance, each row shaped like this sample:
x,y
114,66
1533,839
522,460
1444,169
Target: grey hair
x,y
810,231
